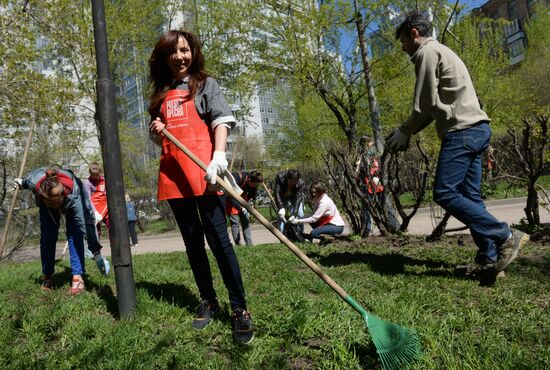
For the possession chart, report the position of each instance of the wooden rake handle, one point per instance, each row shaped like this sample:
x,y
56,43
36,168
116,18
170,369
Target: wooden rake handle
x,y
273,203
16,191
228,190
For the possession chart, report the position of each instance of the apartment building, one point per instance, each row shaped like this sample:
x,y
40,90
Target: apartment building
x,y
517,12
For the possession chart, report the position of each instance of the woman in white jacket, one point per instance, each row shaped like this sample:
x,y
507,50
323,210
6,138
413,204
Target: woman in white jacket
x,y
325,218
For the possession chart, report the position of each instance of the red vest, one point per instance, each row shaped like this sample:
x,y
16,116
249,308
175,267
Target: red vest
x,y
323,220
179,176
99,197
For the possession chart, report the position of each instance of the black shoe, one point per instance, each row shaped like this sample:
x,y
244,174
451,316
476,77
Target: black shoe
x,y
205,313
243,329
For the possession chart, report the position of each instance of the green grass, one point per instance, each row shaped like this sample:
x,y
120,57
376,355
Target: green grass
x,y
301,322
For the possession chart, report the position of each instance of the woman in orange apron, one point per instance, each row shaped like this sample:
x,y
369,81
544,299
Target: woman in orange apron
x,y
189,104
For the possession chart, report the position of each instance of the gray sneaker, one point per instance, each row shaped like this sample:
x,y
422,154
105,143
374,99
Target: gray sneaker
x,y
474,269
510,248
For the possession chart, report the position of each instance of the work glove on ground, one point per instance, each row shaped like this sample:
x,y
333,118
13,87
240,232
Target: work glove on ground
x,y
217,166
17,183
282,213
245,213
293,220
397,140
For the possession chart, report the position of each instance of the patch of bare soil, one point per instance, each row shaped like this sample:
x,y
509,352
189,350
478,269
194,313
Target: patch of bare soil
x,y
399,241
542,236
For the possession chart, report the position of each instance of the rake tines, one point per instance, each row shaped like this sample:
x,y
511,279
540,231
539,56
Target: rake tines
x,y
397,346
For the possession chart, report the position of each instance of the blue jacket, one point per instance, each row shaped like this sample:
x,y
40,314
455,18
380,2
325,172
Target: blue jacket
x,y
131,211
77,204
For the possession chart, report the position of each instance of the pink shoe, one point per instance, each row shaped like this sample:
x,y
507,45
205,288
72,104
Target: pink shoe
x,y
77,286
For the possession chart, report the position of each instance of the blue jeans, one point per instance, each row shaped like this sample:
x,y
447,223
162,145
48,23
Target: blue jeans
x,y
245,222
365,213
49,230
299,213
212,224
457,188
83,210
327,229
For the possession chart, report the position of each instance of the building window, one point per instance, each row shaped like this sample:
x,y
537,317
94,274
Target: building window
x,y
516,48
511,27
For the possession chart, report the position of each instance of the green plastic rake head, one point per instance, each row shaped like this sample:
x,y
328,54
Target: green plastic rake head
x,y
396,345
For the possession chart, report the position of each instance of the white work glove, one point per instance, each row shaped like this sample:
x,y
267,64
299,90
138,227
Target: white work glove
x,y
282,213
375,181
293,220
217,166
397,140
17,183
97,217
245,213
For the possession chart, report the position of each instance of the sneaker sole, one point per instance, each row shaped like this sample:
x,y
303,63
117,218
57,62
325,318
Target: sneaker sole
x,y
524,239
244,341
199,323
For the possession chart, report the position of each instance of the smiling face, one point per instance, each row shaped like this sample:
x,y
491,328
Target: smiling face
x,y
180,60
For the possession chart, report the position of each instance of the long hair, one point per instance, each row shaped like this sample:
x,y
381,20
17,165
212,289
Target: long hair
x,y
160,75
256,176
48,184
318,188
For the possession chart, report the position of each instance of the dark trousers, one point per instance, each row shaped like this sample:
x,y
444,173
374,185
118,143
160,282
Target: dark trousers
x,y
205,216
132,230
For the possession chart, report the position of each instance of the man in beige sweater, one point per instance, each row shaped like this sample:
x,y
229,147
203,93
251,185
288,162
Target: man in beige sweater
x,y
444,92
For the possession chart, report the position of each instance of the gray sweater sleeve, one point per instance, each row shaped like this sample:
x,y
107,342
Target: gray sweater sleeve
x,y
425,93
213,106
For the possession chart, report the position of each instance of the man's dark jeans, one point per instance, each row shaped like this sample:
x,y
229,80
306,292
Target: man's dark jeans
x,y
458,188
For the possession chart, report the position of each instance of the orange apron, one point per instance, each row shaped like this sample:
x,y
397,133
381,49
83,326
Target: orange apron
x,y
99,198
179,176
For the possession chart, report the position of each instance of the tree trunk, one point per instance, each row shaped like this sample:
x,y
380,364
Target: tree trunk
x,y
532,207
373,104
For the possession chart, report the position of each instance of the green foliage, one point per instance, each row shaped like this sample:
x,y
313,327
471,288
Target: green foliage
x,y
305,130
300,322
534,73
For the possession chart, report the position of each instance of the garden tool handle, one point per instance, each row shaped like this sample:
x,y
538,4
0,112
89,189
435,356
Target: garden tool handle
x,y
16,191
273,203
228,190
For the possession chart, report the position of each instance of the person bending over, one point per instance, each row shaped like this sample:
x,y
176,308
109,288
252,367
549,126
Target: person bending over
x,y
58,191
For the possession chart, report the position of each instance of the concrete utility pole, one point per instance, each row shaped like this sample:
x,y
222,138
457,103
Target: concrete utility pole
x,y
110,147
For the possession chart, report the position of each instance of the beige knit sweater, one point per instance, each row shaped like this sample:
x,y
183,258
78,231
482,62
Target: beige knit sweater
x,y
443,92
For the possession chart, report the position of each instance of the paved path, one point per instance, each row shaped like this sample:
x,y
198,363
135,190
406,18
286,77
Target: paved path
x,y
509,210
